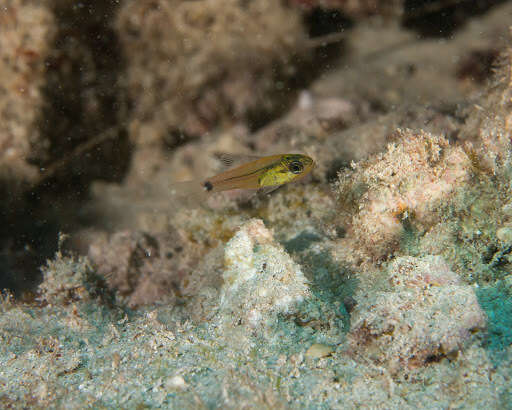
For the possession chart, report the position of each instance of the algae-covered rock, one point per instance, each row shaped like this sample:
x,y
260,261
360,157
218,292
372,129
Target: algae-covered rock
x,y
260,279
195,64
408,182
140,267
27,30
66,279
425,314
489,121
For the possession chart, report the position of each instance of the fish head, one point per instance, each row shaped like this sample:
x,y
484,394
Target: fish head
x,y
297,165
289,168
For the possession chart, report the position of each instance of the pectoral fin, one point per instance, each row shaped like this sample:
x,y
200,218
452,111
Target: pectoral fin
x,y
267,190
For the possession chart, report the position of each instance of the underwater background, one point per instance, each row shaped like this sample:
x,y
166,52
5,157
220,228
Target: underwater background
x,y
382,279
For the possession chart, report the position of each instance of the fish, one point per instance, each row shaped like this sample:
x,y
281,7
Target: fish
x,y
263,174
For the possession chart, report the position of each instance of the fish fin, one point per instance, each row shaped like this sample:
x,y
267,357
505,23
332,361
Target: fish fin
x,y
261,193
234,160
268,189
247,171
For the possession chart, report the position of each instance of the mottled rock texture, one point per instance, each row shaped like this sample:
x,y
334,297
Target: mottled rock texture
x,y
423,314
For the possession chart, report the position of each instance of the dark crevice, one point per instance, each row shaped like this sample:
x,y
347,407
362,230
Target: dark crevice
x,y
442,18
324,23
335,167
478,65
310,65
83,98
321,22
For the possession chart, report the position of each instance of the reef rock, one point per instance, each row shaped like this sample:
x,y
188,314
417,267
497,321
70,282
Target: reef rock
x,y
27,30
261,281
411,180
192,64
424,315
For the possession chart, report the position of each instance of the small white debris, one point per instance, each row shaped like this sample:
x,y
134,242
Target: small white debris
x,y
176,383
318,350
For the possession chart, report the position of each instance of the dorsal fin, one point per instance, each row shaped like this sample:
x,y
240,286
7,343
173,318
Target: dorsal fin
x,y
233,160
245,169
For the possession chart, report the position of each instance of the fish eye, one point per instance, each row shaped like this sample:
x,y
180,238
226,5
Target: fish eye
x,y
295,167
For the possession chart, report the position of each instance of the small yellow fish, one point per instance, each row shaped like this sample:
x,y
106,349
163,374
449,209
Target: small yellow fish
x,y
263,173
